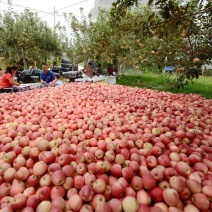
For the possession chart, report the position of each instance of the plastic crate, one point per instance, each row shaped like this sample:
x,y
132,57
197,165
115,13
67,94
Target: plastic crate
x,y
70,74
35,78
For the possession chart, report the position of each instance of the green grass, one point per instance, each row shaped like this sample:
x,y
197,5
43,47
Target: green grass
x,y
202,86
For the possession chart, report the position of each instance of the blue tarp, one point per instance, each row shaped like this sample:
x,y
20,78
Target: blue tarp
x,y
169,68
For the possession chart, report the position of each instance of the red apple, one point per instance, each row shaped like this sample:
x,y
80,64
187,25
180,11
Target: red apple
x,y
100,167
183,168
58,177
79,181
9,175
86,193
151,161
99,186
136,182
45,180
115,205
177,183
18,201
130,204
207,190
127,173
200,201
40,168
53,167
143,197
5,189
57,191
64,159
86,208
171,196
17,187
22,174
116,170
149,181
102,206
164,160
190,207
44,206
156,194
29,191
117,189
194,186
43,193
58,203
98,199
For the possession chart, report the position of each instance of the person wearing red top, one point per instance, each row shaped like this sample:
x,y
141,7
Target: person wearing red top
x,y
110,70
7,80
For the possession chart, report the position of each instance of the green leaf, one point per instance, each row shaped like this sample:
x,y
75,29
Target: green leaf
x,y
150,2
151,18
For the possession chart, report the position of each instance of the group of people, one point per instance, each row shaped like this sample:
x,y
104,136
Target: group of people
x,y
47,78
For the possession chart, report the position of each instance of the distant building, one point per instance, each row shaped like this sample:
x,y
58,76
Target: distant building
x,y
105,4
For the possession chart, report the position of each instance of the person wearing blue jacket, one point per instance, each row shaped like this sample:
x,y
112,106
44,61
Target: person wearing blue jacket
x,y
47,77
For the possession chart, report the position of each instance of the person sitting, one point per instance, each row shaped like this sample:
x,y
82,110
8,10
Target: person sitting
x,y
93,64
110,70
7,81
100,70
89,71
32,67
55,69
19,70
47,77
53,66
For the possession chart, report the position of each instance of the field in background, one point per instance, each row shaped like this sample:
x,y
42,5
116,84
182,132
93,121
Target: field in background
x,y
202,86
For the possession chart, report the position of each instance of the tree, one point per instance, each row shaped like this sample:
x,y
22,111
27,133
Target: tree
x,y
167,33
24,36
181,31
110,43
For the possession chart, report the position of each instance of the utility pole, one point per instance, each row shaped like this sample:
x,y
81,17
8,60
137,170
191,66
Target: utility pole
x,y
54,18
9,2
54,13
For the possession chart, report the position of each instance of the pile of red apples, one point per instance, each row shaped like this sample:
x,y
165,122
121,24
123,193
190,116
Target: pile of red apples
x,y
84,147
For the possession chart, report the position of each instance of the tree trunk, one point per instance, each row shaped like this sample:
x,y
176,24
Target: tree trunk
x,y
120,70
24,61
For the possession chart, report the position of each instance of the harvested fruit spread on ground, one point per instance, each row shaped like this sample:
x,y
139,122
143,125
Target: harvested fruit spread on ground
x,y
98,147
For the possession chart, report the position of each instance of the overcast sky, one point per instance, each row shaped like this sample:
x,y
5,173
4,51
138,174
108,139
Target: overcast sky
x,y
45,7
